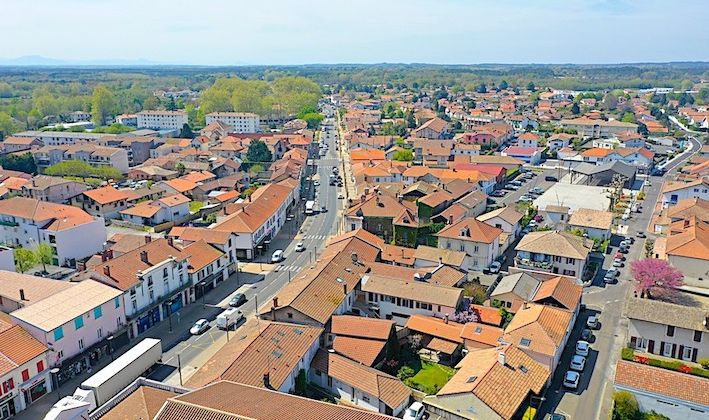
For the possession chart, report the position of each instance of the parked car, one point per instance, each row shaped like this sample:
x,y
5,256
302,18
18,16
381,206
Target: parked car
x,y
340,196
641,235
592,322
571,379
619,256
238,300
629,240
299,247
613,272
323,209
582,348
577,363
512,187
414,412
554,416
551,178
495,267
199,327
532,224
617,263
525,199
586,334
537,191
277,256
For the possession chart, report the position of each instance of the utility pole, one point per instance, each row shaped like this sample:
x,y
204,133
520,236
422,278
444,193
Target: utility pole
x,y
179,368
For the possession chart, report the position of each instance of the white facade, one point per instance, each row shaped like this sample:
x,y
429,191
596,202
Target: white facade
x,y
655,338
7,259
243,122
162,120
694,190
56,138
480,254
572,267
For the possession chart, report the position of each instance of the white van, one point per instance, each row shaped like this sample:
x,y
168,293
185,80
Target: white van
x,y
277,256
229,318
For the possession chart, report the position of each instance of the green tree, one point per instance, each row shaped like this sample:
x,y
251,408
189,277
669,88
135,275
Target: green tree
x,y
23,163
313,119
102,104
410,120
503,85
252,96
575,109
44,254
7,125
293,93
626,406
186,132
629,117
81,169
180,168
151,102
481,88
531,87
171,105
301,384
404,155
24,259
610,102
258,152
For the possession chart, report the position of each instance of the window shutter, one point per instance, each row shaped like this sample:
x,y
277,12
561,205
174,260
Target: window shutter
x,y
681,350
633,341
674,348
694,355
662,348
651,346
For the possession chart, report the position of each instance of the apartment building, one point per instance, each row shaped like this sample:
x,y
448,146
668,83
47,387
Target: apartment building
x,y
398,299
223,241
24,375
72,233
170,209
553,252
60,138
152,280
241,122
52,188
596,128
668,329
74,319
162,120
85,152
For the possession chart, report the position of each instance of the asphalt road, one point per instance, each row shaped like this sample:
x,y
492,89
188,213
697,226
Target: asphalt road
x,y
314,232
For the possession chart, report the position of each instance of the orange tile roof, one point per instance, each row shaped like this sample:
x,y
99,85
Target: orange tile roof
x,y
474,229
181,185
174,200
596,152
142,404
193,234
107,194
662,382
144,209
57,216
18,347
692,243
564,290
360,154
435,327
198,176
388,389
545,327
200,254
251,215
357,326
482,333
361,350
230,401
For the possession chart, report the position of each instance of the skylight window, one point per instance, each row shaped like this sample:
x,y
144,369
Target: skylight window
x,y
525,342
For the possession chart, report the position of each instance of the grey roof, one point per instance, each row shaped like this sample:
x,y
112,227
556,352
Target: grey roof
x,y
521,284
665,313
616,166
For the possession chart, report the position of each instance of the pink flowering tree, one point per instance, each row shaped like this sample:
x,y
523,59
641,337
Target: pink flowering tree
x,y
655,275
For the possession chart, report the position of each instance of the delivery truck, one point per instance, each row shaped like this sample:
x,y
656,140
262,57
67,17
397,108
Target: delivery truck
x,y
120,373
227,319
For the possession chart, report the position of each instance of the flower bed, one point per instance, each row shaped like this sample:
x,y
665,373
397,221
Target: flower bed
x,y
676,365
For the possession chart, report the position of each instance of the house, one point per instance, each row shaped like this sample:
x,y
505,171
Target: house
x,y
378,214
505,218
257,220
398,299
541,331
235,400
13,144
151,173
427,256
152,281
596,128
223,241
269,354
71,232
73,320
674,191
689,252
553,252
359,385
530,155
528,139
605,173
316,295
169,209
24,375
441,339
364,340
672,330
559,141
435,128
493,383
663,391
480,241
514,290
107,201
596,224
51,188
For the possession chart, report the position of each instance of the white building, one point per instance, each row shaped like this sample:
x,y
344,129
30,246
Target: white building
x,y
398,299
162,120
553,252
674,191
71,232
58,138
73,319
242,122
480,241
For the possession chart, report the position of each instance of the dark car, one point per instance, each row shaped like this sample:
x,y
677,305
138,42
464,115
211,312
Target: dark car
x,y
238,300
551,178
586,334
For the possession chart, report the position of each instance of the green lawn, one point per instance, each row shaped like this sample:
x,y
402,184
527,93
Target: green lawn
x,y
430,377
195,206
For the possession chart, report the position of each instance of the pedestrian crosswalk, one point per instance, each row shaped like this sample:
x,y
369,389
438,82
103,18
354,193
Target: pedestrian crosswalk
x,y
318,237
289,268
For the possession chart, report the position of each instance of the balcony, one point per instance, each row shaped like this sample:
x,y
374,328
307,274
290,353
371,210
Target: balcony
x,y
534,265
8,223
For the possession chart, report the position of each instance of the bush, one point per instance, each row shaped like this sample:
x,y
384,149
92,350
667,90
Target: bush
x,y
704,361
405,373
625,407
627,353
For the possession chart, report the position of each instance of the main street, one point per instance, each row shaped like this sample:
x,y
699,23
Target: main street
x,y
593,398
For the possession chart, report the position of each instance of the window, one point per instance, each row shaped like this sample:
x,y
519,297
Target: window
x,y
477,248
164,272
667,349
81,344
58,333
98,312
687,353
25,375
698,336
290,315
134,305
117,302
99,332
670,331
40,366
78,322
641,343
365,398
569,261
525,342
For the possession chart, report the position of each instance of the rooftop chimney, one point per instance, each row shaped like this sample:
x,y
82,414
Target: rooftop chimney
x,y
445,318
22,294
107,270
267,380
275,301
450,219
148,239
502,358
344,288
144,256
170,241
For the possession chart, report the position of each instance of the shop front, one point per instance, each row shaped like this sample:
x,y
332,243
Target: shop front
x,y
35,390
7,406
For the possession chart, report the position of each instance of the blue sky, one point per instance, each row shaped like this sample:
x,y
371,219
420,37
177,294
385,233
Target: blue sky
x,y
216,32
